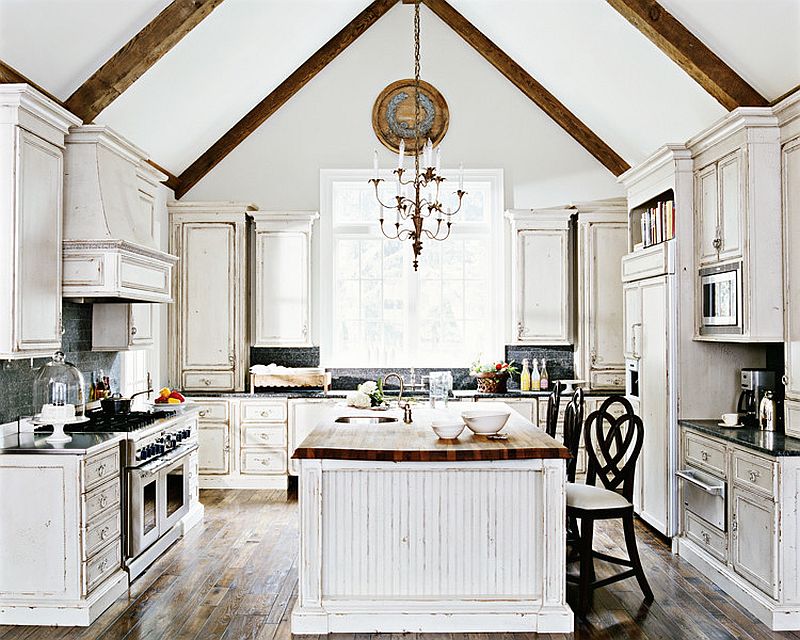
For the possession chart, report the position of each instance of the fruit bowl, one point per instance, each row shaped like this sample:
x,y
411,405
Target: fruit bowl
x,y
485,423
168,400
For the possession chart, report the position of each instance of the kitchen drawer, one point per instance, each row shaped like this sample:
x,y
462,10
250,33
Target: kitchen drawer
x,y
213,410
264,436
755,472
704,453
263,411
101,566
613,379
264,461
208,380
99,469
106,496
711,539
100,533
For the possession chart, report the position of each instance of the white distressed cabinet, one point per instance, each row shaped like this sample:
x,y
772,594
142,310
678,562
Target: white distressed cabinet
x,y
208,322
541,276
122,326
32,130
281,297
602,229
788,113
737,208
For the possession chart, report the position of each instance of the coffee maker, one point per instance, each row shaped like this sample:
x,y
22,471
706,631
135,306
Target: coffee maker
x,y
754,384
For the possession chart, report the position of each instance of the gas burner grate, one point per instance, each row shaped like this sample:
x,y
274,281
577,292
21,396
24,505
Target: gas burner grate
x,y
124,422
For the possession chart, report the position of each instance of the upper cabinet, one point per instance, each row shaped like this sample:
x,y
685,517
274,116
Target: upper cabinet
x,y
737,212
32,129
208,337
281,293
541,275
602,230
118,327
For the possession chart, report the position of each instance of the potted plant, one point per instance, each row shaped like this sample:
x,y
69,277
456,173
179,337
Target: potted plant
x,y
492,377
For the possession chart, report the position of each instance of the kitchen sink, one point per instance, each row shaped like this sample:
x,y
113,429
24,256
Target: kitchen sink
x,y
365,419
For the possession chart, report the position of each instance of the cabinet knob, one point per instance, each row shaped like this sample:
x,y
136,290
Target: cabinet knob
x,y
103,565
704,456
717,244
706,537
103,501
203,413
231,358
593,357
266,413
263,436
133,331
754,474
101,470
104,532
520,329
206,381
264,462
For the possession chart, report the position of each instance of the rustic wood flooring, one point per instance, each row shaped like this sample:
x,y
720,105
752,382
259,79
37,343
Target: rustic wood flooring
x,y
235,578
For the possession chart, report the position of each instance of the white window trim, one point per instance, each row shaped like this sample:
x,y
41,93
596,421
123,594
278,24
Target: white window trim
x,y
326,278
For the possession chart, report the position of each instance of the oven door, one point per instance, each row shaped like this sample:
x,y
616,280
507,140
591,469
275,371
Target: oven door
x,y
720,300
175,495
143,508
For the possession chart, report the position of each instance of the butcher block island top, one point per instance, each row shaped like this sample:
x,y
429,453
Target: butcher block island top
x,y
416,442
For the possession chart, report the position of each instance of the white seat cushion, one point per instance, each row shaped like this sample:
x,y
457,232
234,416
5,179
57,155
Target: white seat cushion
x,y
588,497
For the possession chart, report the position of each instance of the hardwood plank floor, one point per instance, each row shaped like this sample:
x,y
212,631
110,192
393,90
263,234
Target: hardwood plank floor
x,y
235,578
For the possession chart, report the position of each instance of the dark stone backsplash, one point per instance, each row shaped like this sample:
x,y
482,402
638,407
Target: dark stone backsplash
x,y
560,360
16,376
560,365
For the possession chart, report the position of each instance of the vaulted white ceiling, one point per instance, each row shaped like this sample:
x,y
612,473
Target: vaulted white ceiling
x,y
583,51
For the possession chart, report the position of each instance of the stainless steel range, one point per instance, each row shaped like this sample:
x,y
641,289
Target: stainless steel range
x,y
158,462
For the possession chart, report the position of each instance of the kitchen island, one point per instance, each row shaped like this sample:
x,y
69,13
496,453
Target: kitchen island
x,y
403,532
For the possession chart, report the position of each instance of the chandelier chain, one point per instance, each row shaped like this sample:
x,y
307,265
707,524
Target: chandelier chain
x,y
416,87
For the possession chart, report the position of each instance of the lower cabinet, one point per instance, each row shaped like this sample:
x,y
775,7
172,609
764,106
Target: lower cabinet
x,y
754,546
243,443
60,542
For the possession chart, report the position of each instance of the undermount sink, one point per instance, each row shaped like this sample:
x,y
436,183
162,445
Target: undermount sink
x,y
365,419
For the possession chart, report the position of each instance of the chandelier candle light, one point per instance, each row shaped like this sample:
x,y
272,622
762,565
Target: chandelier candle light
x,y
423,206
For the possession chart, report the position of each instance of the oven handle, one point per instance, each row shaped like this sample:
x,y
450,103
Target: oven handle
x,y
163,463
689,476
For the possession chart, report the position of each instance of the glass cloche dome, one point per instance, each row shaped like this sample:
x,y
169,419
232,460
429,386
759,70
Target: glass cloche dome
x,y
58,395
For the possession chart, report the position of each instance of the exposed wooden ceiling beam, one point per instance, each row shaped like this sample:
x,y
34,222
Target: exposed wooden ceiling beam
x,y
688,52
281,94
529,86
137,56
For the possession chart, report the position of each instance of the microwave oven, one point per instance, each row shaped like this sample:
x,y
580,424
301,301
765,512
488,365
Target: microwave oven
x,y
721,299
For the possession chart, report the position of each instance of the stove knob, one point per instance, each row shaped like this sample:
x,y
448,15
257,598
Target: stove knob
x,y
160,448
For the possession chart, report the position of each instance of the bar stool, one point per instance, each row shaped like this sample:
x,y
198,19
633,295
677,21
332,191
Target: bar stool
x,y
553,404
573,424
612,445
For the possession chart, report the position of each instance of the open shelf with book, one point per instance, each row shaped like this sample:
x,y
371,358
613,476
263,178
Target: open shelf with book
x,y
653,221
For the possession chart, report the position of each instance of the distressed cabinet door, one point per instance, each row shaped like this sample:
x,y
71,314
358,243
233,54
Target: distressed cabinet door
x,y
791,247
141,321
754,548
214,448
38,244
707,215
208,299
543,286
606,244
729,174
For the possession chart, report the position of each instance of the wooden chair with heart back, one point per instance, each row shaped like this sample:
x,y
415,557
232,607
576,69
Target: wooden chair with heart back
x,y
553,405
613,443
573,425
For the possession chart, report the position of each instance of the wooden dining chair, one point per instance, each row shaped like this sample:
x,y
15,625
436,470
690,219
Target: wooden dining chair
x,y
553,405
573,425
612,445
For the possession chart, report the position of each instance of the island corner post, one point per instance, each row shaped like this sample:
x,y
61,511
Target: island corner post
x,y
395,538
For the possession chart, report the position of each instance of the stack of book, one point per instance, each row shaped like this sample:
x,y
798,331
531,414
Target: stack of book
x,y
658,223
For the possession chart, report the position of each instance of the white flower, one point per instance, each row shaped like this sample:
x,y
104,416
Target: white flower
x,y
369,387
359,399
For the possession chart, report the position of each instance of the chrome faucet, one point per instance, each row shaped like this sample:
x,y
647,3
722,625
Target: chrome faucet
x,y
399,379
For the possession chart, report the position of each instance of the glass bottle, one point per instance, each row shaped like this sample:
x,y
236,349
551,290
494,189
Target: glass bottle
x,y
525,377
544,377
535,376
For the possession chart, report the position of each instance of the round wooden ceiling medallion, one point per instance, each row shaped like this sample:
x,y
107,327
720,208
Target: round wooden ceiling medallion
x,y
393,115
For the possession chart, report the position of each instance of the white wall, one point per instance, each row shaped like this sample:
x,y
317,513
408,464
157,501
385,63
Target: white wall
x,y
328,125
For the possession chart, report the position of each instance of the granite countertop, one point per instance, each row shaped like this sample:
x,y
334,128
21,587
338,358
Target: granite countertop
x,y
416,442
459,394
770,442
80,444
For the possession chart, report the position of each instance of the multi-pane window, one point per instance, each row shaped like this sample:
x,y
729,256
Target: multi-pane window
x,y
377,311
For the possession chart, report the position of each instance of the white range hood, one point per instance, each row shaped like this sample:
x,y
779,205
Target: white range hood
x,y
109,251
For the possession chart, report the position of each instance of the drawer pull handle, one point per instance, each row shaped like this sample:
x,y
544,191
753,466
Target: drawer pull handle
x,y
104,532
263,436
133,331
101,470
103,565
203,413
754,474
704,456
690,476
103,501
266,413
264,462
706,538
206,381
